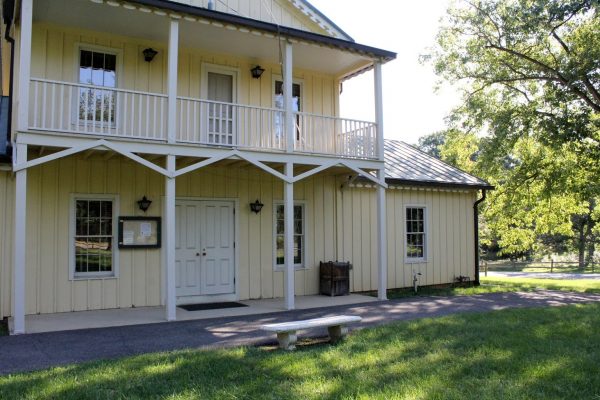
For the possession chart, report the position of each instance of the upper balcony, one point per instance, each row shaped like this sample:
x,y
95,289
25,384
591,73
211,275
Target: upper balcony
x,y
93,110
89,77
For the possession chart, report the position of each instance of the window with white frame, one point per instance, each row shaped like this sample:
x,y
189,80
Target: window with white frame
x,y
97,68
416,248
299,235
93,237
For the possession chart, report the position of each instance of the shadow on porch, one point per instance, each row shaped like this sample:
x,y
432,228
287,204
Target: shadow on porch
x,y
146,315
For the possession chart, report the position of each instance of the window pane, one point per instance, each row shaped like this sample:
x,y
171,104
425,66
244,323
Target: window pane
x,y
420,214
97,77
81,226
298,242
298,227
280,227
110,62
85,76
94,226
94,208
280,212
106,226
297,212
81,208
85,59
106,209
97,60
279,253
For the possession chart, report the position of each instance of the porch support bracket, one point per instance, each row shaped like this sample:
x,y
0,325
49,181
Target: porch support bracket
x,y
94,145
380,180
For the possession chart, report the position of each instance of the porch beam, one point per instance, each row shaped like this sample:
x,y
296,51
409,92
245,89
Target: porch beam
x,y
24,63
172,81
187,150
169,258
288,241
287,98
20,243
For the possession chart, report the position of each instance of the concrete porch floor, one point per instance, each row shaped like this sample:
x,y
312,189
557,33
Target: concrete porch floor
x,y
39,323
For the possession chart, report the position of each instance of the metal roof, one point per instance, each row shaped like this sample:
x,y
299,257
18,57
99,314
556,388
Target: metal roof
x,y
405,164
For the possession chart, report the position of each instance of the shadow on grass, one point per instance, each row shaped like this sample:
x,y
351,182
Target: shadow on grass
x,y
525,353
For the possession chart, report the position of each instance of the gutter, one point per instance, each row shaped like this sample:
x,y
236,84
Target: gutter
x,y
8,11
476,232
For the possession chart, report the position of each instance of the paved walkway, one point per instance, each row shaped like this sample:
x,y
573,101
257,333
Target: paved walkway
x,y
545,275
42,350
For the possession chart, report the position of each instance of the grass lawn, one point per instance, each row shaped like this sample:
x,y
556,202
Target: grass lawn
x,y
550,353
501,284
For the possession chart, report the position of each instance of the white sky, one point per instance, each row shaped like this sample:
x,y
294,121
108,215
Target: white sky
x,y
411,107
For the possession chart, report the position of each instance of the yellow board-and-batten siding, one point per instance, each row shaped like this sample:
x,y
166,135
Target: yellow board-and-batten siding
x,y
449,235
50,187
55,57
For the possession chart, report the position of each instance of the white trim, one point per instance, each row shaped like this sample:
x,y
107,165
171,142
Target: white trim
x,y
115,227
298,267
172,61
425,258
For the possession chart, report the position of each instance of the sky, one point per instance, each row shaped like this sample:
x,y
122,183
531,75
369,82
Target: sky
x,y
412,108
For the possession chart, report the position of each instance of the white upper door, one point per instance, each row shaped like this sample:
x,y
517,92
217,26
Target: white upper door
x,y
218,265
221,118
205,254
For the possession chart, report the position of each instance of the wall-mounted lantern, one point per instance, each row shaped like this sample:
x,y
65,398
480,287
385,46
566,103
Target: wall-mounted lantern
x,y
149,54
257,72
256,206
144,204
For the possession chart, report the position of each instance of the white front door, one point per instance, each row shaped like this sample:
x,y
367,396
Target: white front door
x,y
205,262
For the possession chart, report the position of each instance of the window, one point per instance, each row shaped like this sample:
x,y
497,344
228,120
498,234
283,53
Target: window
x,y
93,239
299,231
279,103
415,233
97,69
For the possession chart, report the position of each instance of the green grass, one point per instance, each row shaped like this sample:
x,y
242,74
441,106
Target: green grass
x,y
550,353
498,285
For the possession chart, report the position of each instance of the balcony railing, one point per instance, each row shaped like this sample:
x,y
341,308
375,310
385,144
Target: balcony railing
x,y
93,110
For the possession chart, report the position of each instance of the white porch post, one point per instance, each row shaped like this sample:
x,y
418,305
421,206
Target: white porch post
x,y
172,81
381,227
24,64
169,246
288,241
287,98
20,244
169,213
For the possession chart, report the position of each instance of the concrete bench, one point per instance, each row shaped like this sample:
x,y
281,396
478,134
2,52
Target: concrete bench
x,y
286,331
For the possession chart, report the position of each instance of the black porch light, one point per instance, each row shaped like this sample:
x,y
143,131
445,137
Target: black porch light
x,y
257,72
149,54
256,206
144,204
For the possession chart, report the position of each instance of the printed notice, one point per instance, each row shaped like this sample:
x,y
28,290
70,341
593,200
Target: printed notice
x,y
146,229
128,237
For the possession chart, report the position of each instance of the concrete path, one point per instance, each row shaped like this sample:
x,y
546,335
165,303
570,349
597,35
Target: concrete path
x,y
42,350
544,275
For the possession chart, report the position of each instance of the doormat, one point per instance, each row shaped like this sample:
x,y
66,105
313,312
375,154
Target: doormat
x,y
211,306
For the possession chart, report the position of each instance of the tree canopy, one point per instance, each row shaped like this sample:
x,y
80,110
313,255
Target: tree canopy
x,y
530,120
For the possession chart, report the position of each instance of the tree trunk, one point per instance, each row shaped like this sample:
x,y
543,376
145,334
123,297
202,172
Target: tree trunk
x,y
589,235
581,246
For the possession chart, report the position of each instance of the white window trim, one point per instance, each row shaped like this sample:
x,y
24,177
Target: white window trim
x,y
415,260
79,46
304,264
115,262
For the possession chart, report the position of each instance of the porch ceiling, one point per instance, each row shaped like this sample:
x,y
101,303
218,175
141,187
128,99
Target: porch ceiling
x,y
215,37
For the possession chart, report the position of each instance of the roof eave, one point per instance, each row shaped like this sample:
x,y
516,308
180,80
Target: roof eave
x,y
453,185
383,55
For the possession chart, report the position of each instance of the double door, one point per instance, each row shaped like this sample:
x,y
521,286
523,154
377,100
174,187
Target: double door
x,y
205,255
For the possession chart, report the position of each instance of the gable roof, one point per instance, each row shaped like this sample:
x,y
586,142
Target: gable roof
x,y
405,164
321,19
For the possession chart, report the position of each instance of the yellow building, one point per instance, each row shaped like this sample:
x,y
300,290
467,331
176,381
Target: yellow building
x,y
208,110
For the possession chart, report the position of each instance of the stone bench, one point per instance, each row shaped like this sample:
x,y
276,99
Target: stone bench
x,y
286,331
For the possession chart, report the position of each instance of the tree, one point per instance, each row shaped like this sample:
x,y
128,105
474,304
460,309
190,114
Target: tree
x,y
432,143
530,75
